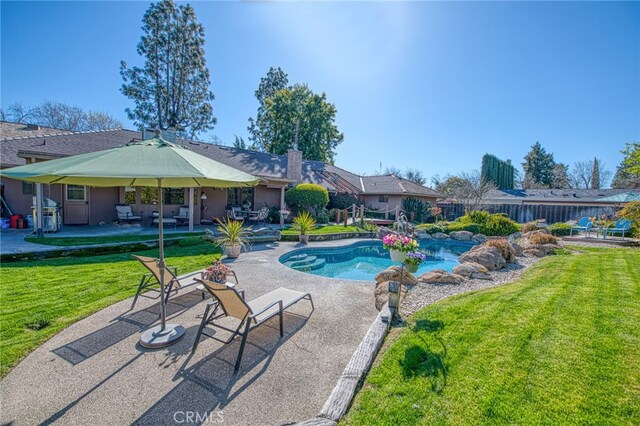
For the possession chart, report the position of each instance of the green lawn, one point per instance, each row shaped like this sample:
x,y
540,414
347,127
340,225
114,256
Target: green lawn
x,y
326,229
55,293
560,346
107,239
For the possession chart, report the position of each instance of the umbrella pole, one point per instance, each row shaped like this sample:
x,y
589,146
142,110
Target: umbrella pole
x,y
164,334
161,263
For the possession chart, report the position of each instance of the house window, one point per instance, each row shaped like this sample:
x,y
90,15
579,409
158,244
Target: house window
x,y
149,195
240,197
28,188
173,196
76,192
383,199
129,195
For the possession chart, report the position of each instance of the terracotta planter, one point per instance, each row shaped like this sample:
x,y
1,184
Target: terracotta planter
x,y
304,239
232,250
411,268
397,256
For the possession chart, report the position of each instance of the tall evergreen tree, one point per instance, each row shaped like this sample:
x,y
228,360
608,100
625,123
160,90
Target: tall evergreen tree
x,y
171,90
501,173
561,176
595,174
276,79
296,117
538,168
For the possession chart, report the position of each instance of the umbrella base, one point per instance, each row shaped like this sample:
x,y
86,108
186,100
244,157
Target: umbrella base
x,y
155,338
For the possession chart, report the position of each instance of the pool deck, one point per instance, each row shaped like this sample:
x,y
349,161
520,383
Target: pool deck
x,y
95,372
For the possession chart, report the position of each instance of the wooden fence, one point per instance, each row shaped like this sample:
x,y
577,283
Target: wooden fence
x,y
527,212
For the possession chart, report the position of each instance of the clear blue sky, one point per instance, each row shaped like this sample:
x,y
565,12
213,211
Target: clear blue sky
x,y
431,86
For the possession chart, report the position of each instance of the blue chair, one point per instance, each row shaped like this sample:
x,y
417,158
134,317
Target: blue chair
x,y
584,224
620,227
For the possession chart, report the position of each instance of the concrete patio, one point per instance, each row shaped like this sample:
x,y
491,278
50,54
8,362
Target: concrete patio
x,y
95,372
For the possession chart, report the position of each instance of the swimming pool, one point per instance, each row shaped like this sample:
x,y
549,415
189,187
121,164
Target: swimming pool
x,y
364,260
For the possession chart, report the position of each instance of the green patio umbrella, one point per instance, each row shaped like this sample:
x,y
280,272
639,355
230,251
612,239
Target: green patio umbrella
x,y
623,197
153,162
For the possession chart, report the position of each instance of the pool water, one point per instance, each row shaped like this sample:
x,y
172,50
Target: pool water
x,y
364,260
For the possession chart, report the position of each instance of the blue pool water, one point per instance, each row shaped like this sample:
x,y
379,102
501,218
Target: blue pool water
x,y
364,260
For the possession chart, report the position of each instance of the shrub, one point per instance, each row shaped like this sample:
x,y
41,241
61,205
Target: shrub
x,y
342,200
499,226
559,229
461,226
506,249
529,226
432,228
274,214
323,216
541,237
632,212
307,196
477,216
419,208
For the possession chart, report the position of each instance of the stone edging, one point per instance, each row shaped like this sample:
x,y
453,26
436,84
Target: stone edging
x,y
340,399
330,237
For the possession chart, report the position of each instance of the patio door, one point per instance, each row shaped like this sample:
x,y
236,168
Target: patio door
x,y
76,205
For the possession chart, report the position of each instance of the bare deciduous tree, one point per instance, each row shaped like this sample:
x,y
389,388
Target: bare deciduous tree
x,y
468,189
582,175
60,116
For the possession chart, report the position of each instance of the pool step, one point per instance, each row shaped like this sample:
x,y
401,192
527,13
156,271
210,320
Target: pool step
x,y
297,257
317,264
307,260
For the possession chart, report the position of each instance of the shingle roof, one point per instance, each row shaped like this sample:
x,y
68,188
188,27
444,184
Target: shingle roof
x,y
391,184
10,130
257,163
551,195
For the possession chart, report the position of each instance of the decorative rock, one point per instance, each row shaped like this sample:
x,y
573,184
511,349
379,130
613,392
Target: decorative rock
x,y
424,236
440,276
381,294
440,236
517,248
489,257
472,270
393,273
511,238
479,238
461,235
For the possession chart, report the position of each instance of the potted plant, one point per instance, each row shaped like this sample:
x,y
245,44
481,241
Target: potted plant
x,y
216,272
304,223
232,237
413,260
399,246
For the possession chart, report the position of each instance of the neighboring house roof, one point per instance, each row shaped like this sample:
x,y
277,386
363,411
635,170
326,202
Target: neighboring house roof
x,y
270,166
391,184
10,130
561,196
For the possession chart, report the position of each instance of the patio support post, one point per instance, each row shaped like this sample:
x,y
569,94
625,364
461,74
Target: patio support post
x,y
191,209
39,218
281,206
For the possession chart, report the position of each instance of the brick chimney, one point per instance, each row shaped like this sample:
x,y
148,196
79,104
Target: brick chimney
x,y
294,165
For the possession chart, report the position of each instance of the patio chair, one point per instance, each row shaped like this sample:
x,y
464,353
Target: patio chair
x,y
183,215
172,282
125,214
620,227
259,216
584,224
248,314
235,213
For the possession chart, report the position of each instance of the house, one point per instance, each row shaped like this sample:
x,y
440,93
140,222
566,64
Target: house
x,y
81,205
553,205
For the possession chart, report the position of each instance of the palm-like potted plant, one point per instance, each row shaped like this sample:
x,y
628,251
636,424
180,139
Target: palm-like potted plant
x,y
232,237
304,223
